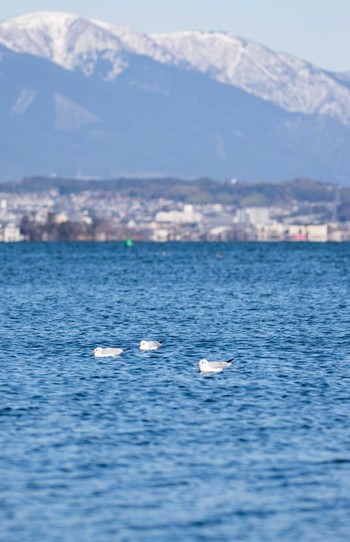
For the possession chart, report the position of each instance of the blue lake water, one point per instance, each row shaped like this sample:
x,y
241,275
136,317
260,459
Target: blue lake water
x,y
145,448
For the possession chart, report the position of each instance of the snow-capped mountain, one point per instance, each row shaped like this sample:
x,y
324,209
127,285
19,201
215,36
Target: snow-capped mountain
x,y
96,47
283,79
75,43
79,94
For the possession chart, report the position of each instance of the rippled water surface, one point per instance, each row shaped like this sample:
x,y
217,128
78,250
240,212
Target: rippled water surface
x,y
144,448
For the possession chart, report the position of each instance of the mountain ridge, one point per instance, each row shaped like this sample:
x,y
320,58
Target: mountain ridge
x,y
280,78
123,104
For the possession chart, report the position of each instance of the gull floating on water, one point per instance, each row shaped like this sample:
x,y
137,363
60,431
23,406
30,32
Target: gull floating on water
x,y
206,366
100,352
150,345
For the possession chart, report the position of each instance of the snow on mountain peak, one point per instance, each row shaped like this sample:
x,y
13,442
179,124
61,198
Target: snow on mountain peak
x,y
291,83
76,43
40,18
40,33
209,52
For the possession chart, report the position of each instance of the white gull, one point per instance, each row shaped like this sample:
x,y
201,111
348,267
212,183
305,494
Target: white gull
x,y
150,345
100,352
206,366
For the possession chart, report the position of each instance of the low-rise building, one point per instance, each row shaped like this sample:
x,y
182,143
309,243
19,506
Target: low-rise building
x,y
271,232
317,233
11,234
296,232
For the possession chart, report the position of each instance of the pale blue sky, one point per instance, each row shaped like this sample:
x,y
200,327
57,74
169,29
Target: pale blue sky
x,y
315,30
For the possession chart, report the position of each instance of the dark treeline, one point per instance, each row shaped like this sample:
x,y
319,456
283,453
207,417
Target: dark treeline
x,y
52,231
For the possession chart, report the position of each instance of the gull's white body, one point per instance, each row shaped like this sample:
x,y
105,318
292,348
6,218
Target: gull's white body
x,y
100,352
206,366
150,345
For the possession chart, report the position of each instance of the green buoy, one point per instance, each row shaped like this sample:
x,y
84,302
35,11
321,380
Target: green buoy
x,y
128,242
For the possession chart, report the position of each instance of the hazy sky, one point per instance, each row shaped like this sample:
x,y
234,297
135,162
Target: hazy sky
x,y
315,30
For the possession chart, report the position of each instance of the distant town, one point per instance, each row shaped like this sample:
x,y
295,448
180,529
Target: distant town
x,y
161,210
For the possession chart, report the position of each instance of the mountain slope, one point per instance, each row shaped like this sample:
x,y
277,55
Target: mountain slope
x,y
95,47
79,95
76,43
287,81
153,119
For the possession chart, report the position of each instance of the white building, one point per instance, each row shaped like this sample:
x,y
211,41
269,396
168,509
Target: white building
x,y
317,233
11,234
187,216
258,216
